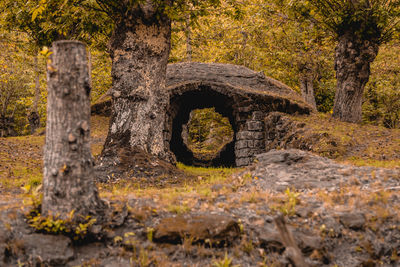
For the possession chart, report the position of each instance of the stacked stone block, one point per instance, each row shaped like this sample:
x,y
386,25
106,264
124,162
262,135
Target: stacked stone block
x,y
250,140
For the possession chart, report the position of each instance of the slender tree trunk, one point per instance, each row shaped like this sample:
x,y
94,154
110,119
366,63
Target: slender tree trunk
x,y
188,31
33,117
68,183
140,48
90,66
37,85
243,50
307,89
352,64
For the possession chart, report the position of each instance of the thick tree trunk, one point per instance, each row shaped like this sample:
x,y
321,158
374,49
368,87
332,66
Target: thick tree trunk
x,y
33,117
68,183
307,90
140,48
353,57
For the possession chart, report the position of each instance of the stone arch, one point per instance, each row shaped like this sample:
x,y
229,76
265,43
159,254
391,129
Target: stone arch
x,y
236,92
242,95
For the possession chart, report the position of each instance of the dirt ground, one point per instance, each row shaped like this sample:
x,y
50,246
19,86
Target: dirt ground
x,y
165,216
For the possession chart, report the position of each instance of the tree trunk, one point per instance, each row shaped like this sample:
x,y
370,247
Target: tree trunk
x,y
188,31
353,57
68,182
307,89
140,48
33,117
90,67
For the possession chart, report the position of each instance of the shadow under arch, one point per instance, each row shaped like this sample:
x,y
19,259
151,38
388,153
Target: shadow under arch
x,y
200,96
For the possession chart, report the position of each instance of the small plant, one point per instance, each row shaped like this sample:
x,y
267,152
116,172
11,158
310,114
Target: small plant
x,y
35,197
179,209
117,239
53,225
82,229
150,234
142,260
292,199
225,262
247,246
243,180
187,243
241,227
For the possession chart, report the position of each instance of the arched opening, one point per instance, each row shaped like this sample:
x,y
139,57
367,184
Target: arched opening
x,y
206,134
182,105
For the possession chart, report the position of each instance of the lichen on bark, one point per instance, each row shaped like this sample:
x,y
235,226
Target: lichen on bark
x,y
139,48
68,183
353,57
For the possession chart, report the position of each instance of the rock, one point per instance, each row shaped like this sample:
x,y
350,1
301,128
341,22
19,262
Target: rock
x,y
3,244
48,249
210,228
277,170
307,243
333,227
354,220
288,157
86,253
116,262
270,239
118,215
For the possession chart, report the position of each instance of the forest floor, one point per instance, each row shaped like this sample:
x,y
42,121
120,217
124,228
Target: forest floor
x,y
339,214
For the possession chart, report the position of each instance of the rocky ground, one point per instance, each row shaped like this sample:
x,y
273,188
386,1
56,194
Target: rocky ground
x,y
159,215
338,215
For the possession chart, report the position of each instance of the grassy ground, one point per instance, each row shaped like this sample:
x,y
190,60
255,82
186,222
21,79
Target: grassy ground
x,y
21,158
215,189
364,145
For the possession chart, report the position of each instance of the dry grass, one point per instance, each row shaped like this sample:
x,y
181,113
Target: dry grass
x,y
21,158
362,145
21,166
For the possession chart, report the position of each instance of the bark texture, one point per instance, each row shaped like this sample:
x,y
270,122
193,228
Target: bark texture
x,y
140,48
68,163
353,57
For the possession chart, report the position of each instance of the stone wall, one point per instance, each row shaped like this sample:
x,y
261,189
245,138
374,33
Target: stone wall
x,y
250,140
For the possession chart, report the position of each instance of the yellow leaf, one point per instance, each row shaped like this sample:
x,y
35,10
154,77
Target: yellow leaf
x,y
44,51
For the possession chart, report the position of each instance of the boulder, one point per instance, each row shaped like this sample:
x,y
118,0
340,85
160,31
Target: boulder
x,y
353,220
212,229
53,250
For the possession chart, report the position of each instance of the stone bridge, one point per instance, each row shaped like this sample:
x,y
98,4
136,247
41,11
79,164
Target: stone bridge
x,y
236,92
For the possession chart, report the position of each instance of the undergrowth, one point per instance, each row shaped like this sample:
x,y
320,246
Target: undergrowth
x,y
70,226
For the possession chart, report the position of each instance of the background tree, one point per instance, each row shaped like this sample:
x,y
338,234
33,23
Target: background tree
x,y
360,27
264,36
382,95
301,46
44,22
15,83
